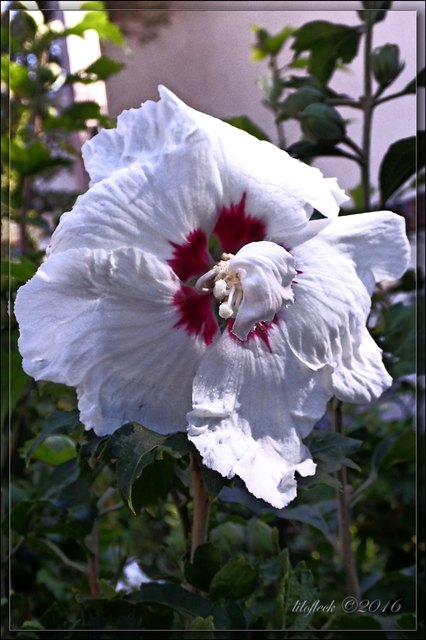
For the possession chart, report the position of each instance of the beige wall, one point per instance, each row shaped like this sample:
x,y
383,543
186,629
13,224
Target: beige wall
x,y
203,55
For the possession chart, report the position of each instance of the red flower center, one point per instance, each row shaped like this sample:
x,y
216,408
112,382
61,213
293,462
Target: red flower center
x,y
191,258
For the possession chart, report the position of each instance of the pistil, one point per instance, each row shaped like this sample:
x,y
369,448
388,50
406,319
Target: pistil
x,y
225,286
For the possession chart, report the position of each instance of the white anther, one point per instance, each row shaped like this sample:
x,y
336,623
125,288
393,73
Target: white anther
x,y
225,311
220,289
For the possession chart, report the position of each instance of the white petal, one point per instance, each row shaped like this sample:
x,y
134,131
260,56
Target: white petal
x,y
376,242
265,271
147,206
140,135
253,401
326,323
364,378
104,322
280,191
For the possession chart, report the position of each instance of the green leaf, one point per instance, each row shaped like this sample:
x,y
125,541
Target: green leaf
x,y
104,67
14,382
32,624
355,622
22,30
54,450
173,596
399,338
153,484
21,271
309,514
66,421
101,69
28,159
267,44
22,513
75,495
203,624
100,22
399,164
329,44
133,447
228,538
394,586
301,587
330,450
75,117
296,585
260,539
205,565
213,480
305,150
401,448
244,123
16,76
419,81
237,579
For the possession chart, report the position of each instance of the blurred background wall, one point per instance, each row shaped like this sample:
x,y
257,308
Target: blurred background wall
x,y
202,52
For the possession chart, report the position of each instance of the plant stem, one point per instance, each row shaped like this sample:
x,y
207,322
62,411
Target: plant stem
x,y
368,104
343,499
278,123
201,506
181,507
92,542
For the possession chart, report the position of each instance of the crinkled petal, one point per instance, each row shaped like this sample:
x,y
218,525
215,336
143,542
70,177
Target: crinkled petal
x,y
253,402
151,207
280,191
265,271
140,135
363,377
104,322
326,323
375,242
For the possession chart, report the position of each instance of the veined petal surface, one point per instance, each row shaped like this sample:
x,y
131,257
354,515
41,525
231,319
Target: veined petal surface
x,y
326,323
253,402
280,191
104,322
148,206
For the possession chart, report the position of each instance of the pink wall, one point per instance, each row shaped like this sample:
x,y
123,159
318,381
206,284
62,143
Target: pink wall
x,y
203,55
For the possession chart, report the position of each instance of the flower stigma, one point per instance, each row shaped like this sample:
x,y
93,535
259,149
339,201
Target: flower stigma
x,y
251,285
225,284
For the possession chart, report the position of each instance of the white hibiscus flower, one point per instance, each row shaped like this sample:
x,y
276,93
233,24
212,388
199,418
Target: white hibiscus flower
x,y
189,289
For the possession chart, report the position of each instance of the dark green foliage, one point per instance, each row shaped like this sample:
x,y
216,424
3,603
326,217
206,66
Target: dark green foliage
x,y
82,508
328,44
323,123
296,102
267,44
400,164
244,123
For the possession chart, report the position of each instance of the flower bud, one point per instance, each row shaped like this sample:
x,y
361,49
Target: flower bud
x,y
297,101
374,11
323,123
260,539
386,63
228,537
